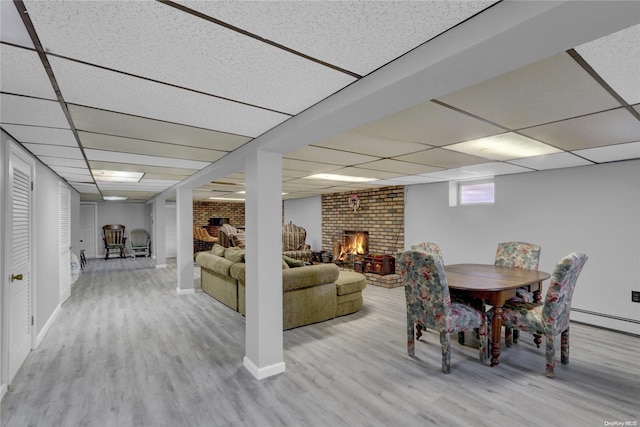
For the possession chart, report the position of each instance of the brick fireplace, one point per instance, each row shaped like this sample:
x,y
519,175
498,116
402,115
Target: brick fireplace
x,y
380,215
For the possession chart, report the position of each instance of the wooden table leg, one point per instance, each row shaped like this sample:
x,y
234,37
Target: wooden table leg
x,y
537,295
496,332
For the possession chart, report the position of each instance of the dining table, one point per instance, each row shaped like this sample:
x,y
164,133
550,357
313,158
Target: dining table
x,y
494,285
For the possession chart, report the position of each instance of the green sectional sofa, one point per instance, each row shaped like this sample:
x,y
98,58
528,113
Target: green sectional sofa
x,y
311,293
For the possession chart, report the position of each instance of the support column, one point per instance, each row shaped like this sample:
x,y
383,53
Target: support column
x,y
184,228
159,242
264,355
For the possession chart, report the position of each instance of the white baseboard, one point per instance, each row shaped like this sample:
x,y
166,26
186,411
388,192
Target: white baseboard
x,y
185,291
261,373
47,325
3,391
65,294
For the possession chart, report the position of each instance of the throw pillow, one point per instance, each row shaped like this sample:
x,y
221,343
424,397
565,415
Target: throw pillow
x,y
238,240
234,254
218,250
291,262
284,265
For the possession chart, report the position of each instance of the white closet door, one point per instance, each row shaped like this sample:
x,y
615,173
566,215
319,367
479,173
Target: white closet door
x,y
19,264
65,241
88,229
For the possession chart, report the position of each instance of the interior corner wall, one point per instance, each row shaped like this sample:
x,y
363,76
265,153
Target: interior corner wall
x,y
306,213
594,209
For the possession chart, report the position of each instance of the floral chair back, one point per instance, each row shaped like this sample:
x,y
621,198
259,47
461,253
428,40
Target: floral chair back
x,y
430,248
429,304
518,254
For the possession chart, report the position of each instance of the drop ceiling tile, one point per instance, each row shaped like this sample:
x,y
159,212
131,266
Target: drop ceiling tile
x,y
151,148
134,196
357,142
116,124
612,153
99,88
77,178
141,168
551,161
365,173
147,185
616,58
326,155
452,175
84,188
54,151
358,36
22,73
42,135
153,40
30,111
165,176
12,30
496,168
115,157
66,169
404,168
609,127
506,146
307,167
553,89
61,161
409,180
442,158
430,124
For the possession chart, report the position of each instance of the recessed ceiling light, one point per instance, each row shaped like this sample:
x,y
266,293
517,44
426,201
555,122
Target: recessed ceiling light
x,y
506,146
334,177
113,198
118,176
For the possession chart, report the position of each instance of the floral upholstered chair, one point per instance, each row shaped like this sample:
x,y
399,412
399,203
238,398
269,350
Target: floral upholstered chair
x,y
429,303
432,249
294,242
519,255
552,317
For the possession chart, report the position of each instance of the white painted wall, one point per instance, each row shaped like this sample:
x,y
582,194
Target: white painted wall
x,y
593,209
307,213
131,215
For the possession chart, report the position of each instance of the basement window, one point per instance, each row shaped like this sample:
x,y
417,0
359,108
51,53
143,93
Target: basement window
x,y
476,192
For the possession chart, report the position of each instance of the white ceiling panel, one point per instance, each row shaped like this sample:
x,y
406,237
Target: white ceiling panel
x,y
357,142
153,40
55,151
325,155
609,127
95,87
612,153
77,178
115,157
452,175
496,168
84,188
116,124
138,146
77,171
308,167
405,168
12,30
357,36
552,161
22,73
143,185
365,173
553,89
61,161
430,124
409,180
442,158
616,58
31,111
97,164
42,135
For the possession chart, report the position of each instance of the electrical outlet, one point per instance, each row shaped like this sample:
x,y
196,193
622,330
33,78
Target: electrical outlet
x,y
635,296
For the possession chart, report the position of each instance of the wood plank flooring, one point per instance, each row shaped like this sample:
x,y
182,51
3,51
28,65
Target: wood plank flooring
x,y
126,350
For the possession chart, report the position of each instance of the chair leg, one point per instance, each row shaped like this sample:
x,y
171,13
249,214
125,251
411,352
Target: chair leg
x,y
483,334
446,352
419,331
551,357
564,347
507,336
537,338
411,349
516,335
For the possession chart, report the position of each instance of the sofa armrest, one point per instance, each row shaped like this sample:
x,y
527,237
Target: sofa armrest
x,y
308,276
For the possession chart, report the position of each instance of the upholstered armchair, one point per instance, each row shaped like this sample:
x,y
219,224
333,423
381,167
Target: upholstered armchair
x,y
432,249
552,317
229,236
293,242
429,303
140,242
519,255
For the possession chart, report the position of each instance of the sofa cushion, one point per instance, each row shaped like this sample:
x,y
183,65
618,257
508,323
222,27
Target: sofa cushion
x,y
218,250
215,263
307,276
349,282
237,271
234,254
293,262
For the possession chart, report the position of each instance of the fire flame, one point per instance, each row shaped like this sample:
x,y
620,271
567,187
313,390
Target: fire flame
x,y
356,246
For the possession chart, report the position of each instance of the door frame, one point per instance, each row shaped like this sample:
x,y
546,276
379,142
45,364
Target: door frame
x,y
12,149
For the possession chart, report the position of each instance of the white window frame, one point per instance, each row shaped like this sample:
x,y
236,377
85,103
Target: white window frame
x,y
456,192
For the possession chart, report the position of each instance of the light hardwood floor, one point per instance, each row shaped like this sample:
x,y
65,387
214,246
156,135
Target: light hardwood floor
x,y
126,350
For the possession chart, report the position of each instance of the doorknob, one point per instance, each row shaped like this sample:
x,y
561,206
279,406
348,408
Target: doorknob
x,y
16,277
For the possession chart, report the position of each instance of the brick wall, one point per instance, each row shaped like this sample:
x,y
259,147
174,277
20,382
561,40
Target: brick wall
x,y
381,213
203,210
